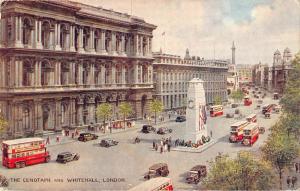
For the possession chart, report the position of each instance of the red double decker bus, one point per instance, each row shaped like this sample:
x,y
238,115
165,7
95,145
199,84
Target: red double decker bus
x,y
155,184
252,118
19,153
216,110
247,101
236,131
251,133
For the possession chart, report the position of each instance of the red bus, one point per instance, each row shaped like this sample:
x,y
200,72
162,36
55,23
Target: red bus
x,y
236,131
154,184
19,153
247,101
251,133
252,118
216,110
267,108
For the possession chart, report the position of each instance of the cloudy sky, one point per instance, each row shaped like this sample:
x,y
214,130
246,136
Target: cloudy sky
x,y
258,27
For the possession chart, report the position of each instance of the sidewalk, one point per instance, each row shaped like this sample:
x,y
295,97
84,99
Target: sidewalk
x,y
291,173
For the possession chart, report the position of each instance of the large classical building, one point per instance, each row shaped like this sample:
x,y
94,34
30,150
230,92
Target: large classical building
x,y
60,59
244,73
274,77
172,74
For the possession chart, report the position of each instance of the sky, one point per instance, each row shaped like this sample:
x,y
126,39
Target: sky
x,y
208,27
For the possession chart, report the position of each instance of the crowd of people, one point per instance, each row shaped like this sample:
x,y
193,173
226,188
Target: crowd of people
x,y
163,146
291,181
64,133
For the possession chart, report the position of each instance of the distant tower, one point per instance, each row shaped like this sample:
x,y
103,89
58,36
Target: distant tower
x,y
277,60
233,53
287,56
187,54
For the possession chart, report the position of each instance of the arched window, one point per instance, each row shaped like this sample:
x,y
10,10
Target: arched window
x,y
144,46
85,73
85,39
126,74
107,41
97,73
64,35
107,74
26,118
28,70
64,75
46,35
27,29
145,74
47,70
97,40
118,74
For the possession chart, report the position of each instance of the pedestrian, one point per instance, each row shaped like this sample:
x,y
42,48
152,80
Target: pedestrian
x,y
170,140
169,147
110,129
156,147
288,181
169,116
76,132
57,138
166,147
161,149
294,180
48,140
63,132
162,142
73,135
297,167
153,144
210,133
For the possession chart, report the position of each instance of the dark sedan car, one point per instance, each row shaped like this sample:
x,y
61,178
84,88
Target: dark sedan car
x,y
87,137
67,157
164,130
180,119
108,143
148,128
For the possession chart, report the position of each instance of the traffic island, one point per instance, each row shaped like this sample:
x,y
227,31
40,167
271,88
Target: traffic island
x,y
199,149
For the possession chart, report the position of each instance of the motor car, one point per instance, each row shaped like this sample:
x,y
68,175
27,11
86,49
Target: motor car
x,y
156,170
267,115
87,137
65,157
180,119
148,129
196,173
229,115
259,92
236,111
108,143
234,105
262,130
260,101
163,130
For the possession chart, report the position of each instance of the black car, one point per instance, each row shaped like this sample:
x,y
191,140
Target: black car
x,y
148,128
180,119
87,137
67,157
108,143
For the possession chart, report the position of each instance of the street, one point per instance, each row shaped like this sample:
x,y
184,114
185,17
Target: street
x,y
123,166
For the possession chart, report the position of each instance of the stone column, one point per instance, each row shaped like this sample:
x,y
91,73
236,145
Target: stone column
x,y
91,110
20,73
123,74
148,53
72,38
91,41
113,74
136,45
136,67
80,70
72,119
38,119
79,112
150,46
16,75
103,51
57,36
80,41
102,74
17,32
92,74
113,43
58,73
123,45
38,73
57,125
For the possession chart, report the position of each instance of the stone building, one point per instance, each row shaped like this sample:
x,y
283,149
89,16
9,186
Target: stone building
x,y
232,77
172,74
59,60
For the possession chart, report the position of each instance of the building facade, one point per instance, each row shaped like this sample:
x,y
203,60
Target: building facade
x,y
244,73
172,74
274,78
60,60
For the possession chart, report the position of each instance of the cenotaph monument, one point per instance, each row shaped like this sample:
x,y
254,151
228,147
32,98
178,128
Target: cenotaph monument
x,y
195,111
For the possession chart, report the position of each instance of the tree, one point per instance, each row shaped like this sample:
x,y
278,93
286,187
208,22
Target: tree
x,y
237,95
125,110
288,123
3,123
104,111
156,106
241,173
291,98
280,150
217,100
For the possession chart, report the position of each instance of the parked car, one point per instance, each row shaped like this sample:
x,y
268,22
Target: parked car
x,y
148,129
267,115
196,173
180,119
260,101
236,111
156,170
163,130
108,142
87,137
261,130
67,157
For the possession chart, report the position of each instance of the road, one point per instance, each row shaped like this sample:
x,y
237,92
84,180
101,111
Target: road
x,y
127,162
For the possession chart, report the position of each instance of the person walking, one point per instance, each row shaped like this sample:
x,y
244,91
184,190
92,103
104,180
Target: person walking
x,y
153,145
169,147
210,133
156,147
288,181
48,140
161,149
297,167
166,147
57,138
294,180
